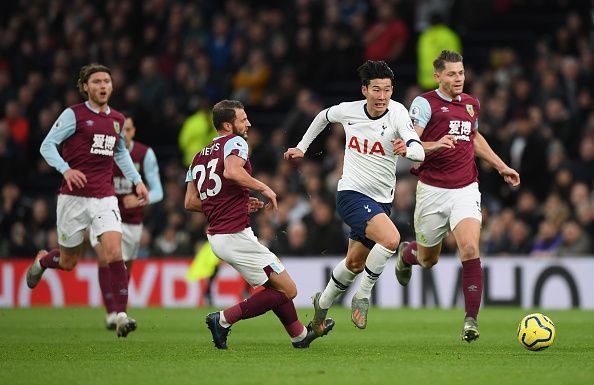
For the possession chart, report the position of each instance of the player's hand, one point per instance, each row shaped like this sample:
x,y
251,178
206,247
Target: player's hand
x,y
271,195
131,201
446,141
75,178
510,176
142,194
399,147
293,153
254,204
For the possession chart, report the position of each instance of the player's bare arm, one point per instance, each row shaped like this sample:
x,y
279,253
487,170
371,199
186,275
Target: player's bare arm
x,y
485,152
75,178
446,141
192,200
235,172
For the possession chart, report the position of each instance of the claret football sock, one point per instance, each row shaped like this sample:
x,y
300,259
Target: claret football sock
x,y
472,286
287,314
51,260
259,303
341,279
119,285
376,262
105,286
409,256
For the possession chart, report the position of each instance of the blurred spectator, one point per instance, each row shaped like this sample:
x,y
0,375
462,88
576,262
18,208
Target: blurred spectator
x,y
437,37
575,242
519,239
325,235
528,154
387,37
547,241
251,80
297,241
196,132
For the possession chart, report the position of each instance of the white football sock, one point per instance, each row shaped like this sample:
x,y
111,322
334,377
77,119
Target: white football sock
x,y
340,281
301,336
223,321
374,266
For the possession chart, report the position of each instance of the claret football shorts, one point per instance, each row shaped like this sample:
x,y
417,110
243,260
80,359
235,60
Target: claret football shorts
x,y
439,210
248,256
76,213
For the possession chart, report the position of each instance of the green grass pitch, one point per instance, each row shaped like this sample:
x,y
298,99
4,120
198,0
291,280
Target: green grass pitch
x,y
400,346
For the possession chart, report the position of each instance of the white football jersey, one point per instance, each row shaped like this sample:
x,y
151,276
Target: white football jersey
x,y
369,160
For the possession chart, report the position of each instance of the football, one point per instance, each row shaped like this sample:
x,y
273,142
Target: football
x,y
536,332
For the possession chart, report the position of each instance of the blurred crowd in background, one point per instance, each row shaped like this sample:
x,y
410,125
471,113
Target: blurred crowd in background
x,y
530,63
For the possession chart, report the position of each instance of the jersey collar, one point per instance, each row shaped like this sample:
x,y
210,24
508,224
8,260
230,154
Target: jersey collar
x,y
371,117
444,97
95,110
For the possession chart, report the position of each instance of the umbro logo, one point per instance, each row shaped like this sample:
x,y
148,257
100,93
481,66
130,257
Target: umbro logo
x,y
472,288
89,123
366,207
445,109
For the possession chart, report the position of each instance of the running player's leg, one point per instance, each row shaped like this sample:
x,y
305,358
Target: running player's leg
x,y
342,277
465,222
105,285
72,220
381,230
301,337
431,219
111,242
259,267
467,234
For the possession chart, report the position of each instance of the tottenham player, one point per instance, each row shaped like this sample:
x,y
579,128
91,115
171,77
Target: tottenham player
x,y
448,197
82,145
218,184
378,130
132,213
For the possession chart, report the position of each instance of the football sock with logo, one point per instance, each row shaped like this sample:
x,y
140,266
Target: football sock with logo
x,y
287,314
374,266
409,255
258,304
105,286
339,282
472,286
119,285
51,260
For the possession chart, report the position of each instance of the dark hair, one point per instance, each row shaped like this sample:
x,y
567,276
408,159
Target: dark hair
x,y
446,56
374,70
224,112
86,72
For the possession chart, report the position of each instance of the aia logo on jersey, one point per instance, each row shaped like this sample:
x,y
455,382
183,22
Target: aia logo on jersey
x,y
363,147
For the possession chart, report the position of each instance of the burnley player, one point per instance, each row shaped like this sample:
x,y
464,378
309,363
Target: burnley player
x,y
131,211
448,197
82,145
378,130
218,184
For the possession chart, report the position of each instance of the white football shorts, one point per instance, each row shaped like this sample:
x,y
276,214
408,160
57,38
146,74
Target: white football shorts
x,y
248,256
439,210
130,240
75,214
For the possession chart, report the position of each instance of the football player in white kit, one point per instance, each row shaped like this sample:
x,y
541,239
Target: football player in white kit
x,y
378,130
